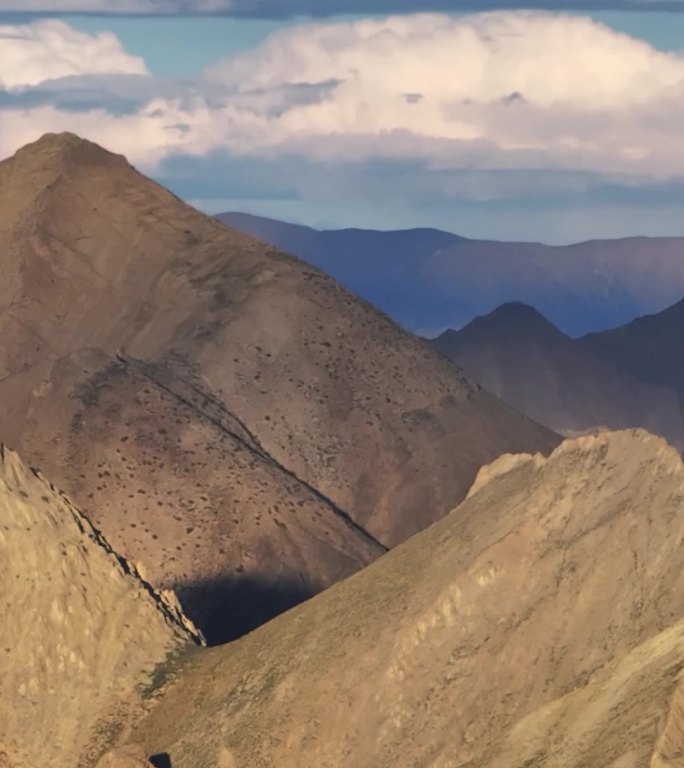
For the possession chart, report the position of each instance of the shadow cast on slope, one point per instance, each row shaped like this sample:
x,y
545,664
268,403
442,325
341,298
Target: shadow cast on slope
x,y
162,760
226,609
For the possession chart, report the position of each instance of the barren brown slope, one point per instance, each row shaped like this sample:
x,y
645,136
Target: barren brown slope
x,y
183,491
96,257
521,357
82,637
539,624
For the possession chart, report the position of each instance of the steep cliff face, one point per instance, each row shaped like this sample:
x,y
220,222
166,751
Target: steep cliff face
x,y
83,639
539,624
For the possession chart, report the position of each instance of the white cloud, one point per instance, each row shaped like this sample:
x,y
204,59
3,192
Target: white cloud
x,y
508,91
511,88
33,53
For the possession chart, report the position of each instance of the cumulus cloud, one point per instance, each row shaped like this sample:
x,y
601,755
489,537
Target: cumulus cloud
x,y
31,54
506,90
517,89
479,109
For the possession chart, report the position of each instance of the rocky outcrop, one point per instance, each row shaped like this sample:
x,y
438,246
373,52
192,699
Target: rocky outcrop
x,y
83,640
539,624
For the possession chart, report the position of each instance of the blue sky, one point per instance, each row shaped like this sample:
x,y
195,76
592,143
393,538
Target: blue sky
x,y
514,126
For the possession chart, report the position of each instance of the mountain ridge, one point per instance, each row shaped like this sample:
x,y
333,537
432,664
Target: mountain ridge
x,y
345,411
550,564
519,355
445,280
83,635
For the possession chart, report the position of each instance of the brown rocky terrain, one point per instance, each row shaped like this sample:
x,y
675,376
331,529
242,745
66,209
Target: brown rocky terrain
x,y
228,415
563,383
539,624
84,641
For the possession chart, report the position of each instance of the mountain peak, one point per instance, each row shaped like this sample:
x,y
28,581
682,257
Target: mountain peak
x,y
512,317
56,150
518,310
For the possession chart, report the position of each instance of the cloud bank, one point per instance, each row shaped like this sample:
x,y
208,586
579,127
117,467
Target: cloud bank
x,y
507,90
433,108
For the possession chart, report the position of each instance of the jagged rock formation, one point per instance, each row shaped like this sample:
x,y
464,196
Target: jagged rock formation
x,y
539,624
260,425
518,355
83,640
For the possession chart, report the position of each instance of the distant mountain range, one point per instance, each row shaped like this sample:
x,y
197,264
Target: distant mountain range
x,y
632,376
429,280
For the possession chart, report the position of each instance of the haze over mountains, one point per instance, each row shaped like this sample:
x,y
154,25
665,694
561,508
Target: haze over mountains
x,y
649,347
574,385
429,280
236,422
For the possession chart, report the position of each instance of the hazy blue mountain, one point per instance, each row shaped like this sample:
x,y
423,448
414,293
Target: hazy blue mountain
x,y
560,382
429,280
649,347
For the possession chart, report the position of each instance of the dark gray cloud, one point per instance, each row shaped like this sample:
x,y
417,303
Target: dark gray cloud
x,y
17,10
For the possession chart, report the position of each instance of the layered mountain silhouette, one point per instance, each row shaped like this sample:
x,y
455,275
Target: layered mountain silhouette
x,y
237,423
570,385
429,280
539,624
83,639
649,347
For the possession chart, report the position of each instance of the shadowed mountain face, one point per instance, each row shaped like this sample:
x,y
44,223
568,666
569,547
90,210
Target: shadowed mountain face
x,y
82,639
563,383
539,624
427,279
649,348
223,411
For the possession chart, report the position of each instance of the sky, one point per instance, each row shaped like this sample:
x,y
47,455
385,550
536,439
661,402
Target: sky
x,y
558,123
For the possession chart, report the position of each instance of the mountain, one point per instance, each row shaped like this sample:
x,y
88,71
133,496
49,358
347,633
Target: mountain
x,y
648,347
83,639
235,421
525,360
429,280
539,624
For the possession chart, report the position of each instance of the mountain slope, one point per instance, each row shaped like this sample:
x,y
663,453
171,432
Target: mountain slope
x,y
525,360
428,279
648,347
297,430
538,624
82,635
